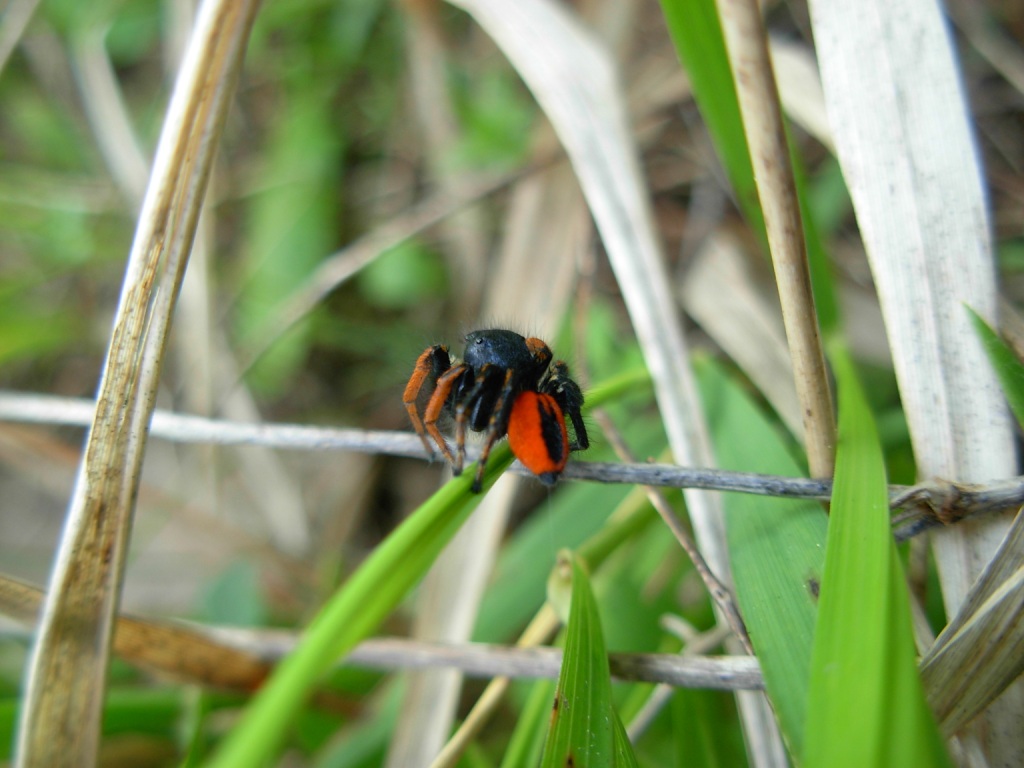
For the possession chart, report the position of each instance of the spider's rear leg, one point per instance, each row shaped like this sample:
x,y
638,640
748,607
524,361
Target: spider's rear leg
x,y
429,366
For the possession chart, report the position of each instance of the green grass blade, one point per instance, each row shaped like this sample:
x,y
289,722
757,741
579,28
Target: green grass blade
x,y
776,547
698,735
866,702
369,595
1008,368
527,741
697,35
583,721
624,755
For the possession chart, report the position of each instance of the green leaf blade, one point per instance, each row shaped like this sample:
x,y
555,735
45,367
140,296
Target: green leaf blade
x,y
697,35
584,726
776,547
1007,366
369,595
866,705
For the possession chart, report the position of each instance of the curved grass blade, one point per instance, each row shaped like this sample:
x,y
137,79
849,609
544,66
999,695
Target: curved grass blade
x,y
583,722
66,679
369,595
866,703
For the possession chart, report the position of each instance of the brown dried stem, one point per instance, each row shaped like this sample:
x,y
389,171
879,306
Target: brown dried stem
x,y
762,122
64,694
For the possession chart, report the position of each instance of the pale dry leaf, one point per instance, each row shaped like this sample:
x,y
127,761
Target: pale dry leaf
x,y
981,651
904,141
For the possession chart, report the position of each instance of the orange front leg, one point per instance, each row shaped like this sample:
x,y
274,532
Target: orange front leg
x,y
435,405
430,364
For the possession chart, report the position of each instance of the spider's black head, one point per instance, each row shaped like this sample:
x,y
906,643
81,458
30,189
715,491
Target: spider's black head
x,y
506,350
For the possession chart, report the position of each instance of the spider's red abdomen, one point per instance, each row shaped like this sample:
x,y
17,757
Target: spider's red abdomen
x,y
537,435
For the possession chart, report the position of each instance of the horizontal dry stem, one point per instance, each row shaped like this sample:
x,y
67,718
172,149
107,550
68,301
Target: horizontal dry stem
x,y
926,505
177,649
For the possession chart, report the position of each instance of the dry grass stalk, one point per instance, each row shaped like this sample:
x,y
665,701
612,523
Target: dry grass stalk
x,y
65,690
762,121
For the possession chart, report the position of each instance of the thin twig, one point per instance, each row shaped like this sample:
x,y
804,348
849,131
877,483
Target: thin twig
x,y
487,661
477,660
926,505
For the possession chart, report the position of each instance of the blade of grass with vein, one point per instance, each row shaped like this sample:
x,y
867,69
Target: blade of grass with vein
x,y
866,703
583,722
776,547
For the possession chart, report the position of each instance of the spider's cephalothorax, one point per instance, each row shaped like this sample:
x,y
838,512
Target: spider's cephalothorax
x,y
505,384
